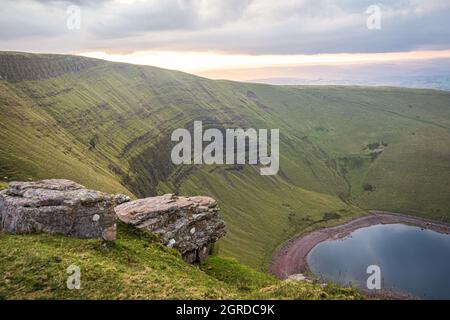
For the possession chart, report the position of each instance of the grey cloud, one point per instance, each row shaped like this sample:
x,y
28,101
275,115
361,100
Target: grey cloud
x,y
21,19
253,26
168,15
91,3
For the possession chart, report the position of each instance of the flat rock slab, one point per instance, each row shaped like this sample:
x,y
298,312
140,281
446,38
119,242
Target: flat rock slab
x,y
188,224
58,206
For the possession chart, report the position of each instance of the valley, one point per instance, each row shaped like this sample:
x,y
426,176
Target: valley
x,y
344,150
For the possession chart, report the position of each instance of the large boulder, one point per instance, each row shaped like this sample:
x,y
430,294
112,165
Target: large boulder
x,y
188,224
58,207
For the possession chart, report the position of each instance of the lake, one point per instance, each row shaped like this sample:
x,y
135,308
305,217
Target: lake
x,y
411,260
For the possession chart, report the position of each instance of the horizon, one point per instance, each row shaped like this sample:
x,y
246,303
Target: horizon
x,y
248,40
318,78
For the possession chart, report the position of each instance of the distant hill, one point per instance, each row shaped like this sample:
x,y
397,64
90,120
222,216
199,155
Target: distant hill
x,y
343,149
423,82
425,74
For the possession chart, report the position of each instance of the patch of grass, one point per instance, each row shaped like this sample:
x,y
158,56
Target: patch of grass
x,y
261,212
134,267
331,216
233,273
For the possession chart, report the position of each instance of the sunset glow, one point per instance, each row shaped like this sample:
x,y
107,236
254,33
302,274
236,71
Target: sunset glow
x,y
217,65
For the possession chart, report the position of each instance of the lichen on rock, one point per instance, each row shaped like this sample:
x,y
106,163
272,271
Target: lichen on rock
x,y
188,224
58,206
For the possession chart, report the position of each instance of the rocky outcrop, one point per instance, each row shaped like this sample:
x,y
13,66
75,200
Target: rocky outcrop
x,y
188,224
58,207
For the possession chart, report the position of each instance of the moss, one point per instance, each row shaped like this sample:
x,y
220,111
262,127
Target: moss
x,y
3,185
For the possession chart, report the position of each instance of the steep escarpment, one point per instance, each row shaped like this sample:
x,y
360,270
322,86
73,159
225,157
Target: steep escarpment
x,y
108,125
18,66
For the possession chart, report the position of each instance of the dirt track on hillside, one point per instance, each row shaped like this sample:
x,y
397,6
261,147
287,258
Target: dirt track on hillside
x,y
291,257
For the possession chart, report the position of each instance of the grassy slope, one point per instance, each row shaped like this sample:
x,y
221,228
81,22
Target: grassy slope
x,y
108,125
135,267
264,212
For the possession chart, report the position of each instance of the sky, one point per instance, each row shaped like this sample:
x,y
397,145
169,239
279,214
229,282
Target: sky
x,y
234,39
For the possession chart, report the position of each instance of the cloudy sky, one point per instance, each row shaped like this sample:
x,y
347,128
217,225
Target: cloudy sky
x,y
218,38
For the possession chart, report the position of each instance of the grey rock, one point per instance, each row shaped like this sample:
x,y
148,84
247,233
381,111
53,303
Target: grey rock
x,y
188,224
121,198
58,206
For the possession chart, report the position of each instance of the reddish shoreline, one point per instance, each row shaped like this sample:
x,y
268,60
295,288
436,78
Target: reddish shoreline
x,y
291,257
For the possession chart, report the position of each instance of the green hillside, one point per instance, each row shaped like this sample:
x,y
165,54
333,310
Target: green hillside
x,y
135,267
343,150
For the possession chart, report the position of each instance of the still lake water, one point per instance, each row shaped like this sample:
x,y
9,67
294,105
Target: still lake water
x,y
411,260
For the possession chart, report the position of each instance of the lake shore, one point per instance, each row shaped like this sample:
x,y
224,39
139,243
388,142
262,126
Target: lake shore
x,y
291,257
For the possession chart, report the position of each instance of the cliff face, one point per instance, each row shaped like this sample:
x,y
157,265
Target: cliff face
x,y
17,66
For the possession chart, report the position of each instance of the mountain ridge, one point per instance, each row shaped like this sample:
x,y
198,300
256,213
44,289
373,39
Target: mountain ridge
x,y
343,150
